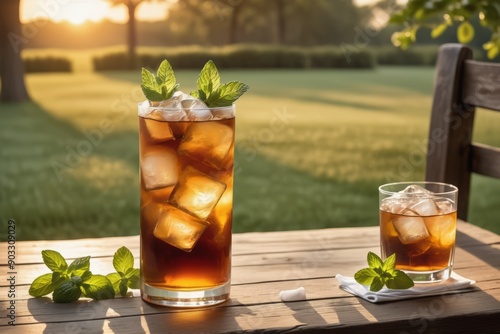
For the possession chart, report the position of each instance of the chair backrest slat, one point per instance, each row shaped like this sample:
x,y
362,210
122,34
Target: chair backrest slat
x,y
486,160
481,84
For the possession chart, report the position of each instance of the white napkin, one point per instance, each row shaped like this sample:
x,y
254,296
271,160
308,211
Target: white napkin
x,y
451,285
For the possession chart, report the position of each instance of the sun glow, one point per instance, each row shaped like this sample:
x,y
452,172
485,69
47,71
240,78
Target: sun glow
x,y
78,12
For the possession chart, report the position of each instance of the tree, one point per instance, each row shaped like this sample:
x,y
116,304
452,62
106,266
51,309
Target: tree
x,y
12,84
131,33
441,14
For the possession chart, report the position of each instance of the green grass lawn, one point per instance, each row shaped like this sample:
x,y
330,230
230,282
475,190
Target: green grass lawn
x,y
312,148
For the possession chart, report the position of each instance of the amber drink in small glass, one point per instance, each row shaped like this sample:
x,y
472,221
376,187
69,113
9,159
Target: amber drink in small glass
x,y
418,223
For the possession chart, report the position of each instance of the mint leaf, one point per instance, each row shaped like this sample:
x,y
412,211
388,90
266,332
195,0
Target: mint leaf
x,y
159,87
54,261
79,266
98,287
389,263
134,278
150,86
115,279
126,276
382,273
123,260
365,276
43,285
66,292
209,79
165,78
377,284
212,92
399,280
227,94
374,261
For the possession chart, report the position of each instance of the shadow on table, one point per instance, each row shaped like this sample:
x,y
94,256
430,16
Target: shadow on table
x,y
226,317
83,316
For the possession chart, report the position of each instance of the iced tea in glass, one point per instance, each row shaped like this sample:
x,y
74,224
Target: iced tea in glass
x,y
186,167
418,223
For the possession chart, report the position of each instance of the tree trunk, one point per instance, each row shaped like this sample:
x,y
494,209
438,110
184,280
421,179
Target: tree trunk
x,y
233,28
12,84
132,34
280,18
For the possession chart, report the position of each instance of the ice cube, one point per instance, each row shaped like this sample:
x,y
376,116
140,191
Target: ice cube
x,y
410,229
144,109
415,189
179,229
222,213
150,212
159,168
180,95
419,248
168,110
445,205
425,207
208,142
392,205
196,110
155,131
442,228
223,113
197,192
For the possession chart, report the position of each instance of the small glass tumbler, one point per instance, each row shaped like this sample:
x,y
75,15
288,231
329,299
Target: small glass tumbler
x,y
418,223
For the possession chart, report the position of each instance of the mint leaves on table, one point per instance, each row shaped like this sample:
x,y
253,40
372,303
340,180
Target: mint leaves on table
x,y
212,92
382,273
69,283
126,275
161,86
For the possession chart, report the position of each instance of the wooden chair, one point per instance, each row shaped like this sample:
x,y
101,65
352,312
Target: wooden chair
x,y
461,85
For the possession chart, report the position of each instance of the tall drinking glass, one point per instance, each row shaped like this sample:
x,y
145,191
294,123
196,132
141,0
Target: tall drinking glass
x,y
186,167
418,223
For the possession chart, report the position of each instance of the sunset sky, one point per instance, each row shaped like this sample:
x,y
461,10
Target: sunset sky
x,y
79,11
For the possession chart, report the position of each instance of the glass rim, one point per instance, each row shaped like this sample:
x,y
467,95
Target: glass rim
x,y
453,189
145,105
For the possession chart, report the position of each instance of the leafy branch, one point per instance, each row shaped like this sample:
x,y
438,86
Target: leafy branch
x,y
425,13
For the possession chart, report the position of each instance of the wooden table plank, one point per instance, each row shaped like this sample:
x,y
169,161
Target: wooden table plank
x,y
264,264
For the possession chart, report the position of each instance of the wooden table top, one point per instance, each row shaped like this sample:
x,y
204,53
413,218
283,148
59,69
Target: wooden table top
x,y
263,265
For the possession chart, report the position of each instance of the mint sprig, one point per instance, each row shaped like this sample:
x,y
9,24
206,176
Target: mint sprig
x,y
382,273
126,275
69,283
161,86
212,92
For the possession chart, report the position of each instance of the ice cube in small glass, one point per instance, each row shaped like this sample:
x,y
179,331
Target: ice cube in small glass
x,y
410,229
425,207
445,205
159,168
443,229
179,229
197,192
208,142
415,189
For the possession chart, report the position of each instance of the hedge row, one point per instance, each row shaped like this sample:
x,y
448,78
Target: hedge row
x,y
46,64
243,57
254,56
